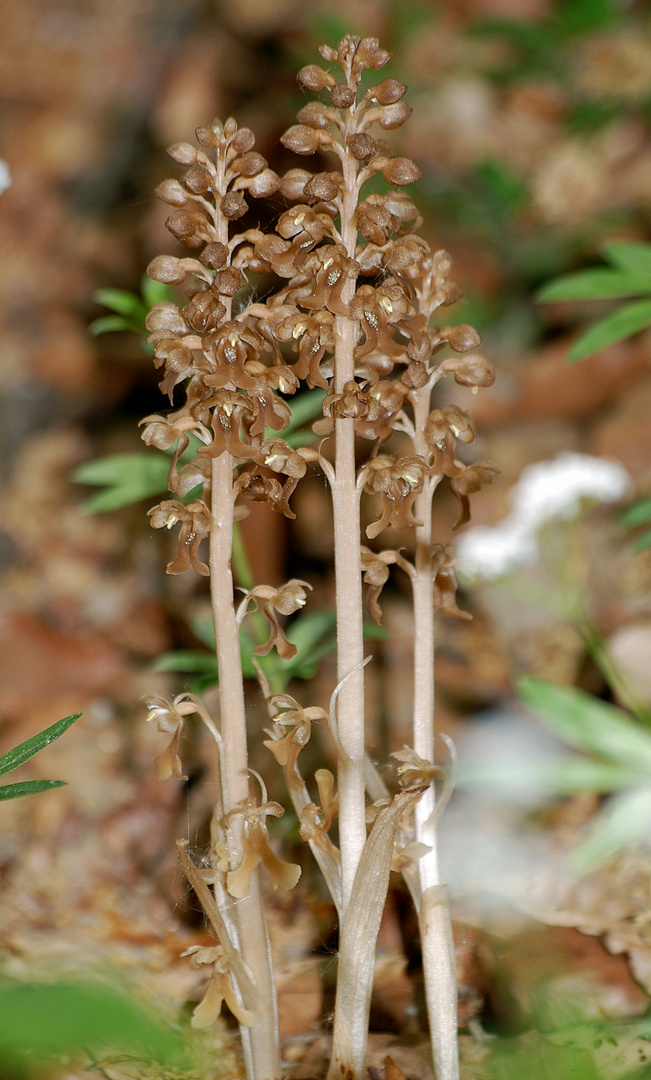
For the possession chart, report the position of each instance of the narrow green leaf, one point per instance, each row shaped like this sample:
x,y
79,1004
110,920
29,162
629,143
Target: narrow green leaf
x,y
623,823
128,478
187,660
303,408
153,292
643,543
598,284
28,787
623,323
13,758
587,723
40,1023
121,469
632,258
106,324
559,775
638,513
125,303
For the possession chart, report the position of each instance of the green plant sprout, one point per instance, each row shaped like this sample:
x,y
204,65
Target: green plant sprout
x,y
23,752
629,275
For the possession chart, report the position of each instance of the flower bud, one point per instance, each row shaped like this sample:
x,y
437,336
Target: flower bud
x,y
392,116
249,164
243,141
461,338
400,171
470,370
264,184
170,191
197,180
182,153
214,256
314,77
387,92
324,186
363,147
327,53
314,115
206,137
370,54
342,96
293,183
167,269
234,205
301,139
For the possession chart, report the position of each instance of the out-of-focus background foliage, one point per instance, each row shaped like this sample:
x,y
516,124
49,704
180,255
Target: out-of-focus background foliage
x,y
532,128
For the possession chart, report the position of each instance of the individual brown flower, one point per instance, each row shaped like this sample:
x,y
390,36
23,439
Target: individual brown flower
x,y
375,568
442,429
474,371
230,413
471,479
316,821
271,411
280,457
169,716
163,432
257,849
219,989
414,771
286,746
332,269
313,335
286,600
256,487
397,481
386,399
378,311
195,520
445,584
232,346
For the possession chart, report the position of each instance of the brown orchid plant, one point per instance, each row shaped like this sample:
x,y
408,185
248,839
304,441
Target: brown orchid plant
x,y
350,291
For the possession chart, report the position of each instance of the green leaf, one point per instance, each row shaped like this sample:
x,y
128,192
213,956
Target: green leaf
x,y
153,292
638,513
28,787
305,407
643,543
128,478
621,324
125,303
588,724
559,775
188,660
633,258
13,758
624,822
106,324
598,284
40,1023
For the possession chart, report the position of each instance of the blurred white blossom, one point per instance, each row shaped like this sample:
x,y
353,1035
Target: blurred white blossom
x,y
5,176
545,491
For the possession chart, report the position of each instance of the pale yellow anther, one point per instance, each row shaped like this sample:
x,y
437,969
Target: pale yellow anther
x,y
299,330
171,521
386,304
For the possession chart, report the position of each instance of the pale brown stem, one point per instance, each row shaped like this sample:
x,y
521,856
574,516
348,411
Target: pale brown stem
x,y
348,578
439,962
262,1038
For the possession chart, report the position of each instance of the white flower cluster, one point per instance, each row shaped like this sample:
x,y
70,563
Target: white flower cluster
x,y
546,490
